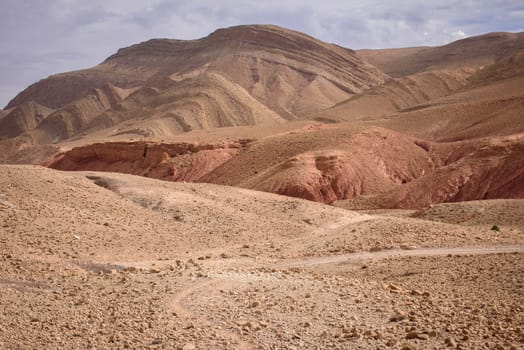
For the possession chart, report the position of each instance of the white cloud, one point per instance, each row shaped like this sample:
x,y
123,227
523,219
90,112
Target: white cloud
x,y
41,37
458,34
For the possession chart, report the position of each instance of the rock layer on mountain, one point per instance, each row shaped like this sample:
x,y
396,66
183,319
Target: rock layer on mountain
x,y
262,74
21,119
473,52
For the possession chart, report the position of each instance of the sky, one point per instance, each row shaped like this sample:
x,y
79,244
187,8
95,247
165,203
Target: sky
x,y
42,37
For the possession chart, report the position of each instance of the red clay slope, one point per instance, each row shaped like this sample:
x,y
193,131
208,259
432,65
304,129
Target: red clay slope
x,y
173,162
374,168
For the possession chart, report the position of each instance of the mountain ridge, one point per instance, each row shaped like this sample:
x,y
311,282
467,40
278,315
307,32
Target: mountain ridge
x,y
322,123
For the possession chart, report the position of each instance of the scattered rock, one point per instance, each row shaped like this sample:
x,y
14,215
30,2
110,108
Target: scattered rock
x,y
450,342
412,335
397,317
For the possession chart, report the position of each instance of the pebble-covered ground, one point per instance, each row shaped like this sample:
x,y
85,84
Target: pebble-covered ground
x,y
137,264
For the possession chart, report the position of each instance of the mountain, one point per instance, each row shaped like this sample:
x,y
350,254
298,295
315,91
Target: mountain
x,y
257,74
269,109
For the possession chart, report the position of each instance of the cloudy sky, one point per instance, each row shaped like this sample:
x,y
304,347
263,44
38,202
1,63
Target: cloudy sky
x,y
43,37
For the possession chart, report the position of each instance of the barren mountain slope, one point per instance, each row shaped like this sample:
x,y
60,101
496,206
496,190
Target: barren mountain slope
x,y
444,106
480,169
275,72
397,94
483,109
206,101
455,103
20,119
471,52
433,136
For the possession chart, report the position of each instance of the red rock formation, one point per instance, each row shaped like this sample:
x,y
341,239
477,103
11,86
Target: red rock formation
x,y
174,162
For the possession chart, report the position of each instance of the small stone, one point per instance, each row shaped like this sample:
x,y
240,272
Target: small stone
x,y
450,342
397,317
391,342
412,335
408,346
255,304
393,288
308,295
246,324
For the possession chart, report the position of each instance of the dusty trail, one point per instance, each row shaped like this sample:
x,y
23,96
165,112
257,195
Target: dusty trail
x,y
215,283
177,305
394,253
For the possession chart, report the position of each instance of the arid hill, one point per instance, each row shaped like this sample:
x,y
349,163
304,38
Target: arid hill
x,y
481,50
237,76
266,108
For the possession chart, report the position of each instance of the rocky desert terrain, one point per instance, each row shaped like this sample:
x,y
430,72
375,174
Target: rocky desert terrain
x,y
261,189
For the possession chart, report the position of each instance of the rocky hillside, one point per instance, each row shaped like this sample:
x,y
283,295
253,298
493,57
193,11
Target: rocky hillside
x,y
269,109
243,75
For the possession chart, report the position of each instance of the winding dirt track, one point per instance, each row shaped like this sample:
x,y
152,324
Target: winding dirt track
x,y
398,253
177,305
179,302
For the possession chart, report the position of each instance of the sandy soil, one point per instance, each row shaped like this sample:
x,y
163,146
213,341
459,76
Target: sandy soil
x,y
104,260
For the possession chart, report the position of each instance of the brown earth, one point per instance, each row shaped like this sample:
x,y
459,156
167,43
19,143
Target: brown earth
x,y
109,260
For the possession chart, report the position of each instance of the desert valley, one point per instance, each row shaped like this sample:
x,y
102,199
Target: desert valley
x,y
261,189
